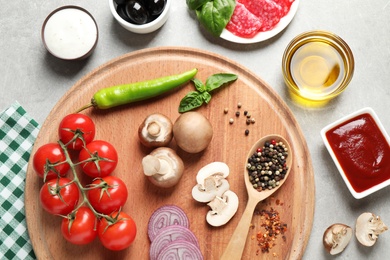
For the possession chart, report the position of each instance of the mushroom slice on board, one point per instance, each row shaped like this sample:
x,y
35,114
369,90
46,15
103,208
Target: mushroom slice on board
x,y
156,130
211,182
368,228
336,238
222,209
163,167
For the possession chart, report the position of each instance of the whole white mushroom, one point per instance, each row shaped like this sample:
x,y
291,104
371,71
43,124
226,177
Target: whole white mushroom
x,y
193,132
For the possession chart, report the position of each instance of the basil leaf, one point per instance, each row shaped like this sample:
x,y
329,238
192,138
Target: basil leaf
x,y
206,97
215,15
195,4
217,80
192,100
199,85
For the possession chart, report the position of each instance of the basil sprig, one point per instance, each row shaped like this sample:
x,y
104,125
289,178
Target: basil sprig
x,y
214,15
195,99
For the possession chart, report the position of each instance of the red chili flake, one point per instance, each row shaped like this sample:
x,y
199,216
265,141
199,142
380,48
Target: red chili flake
x,y
272,227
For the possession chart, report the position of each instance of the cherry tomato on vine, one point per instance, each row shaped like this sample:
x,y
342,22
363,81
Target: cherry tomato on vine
x,y
101,159
80,228
49,161
119,234
59,196
109,195
77,127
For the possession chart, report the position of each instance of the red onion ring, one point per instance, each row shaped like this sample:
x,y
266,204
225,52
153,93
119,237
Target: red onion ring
x,y
164,216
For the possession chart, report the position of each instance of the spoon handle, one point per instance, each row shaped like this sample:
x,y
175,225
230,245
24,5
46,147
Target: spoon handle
x,y
236,245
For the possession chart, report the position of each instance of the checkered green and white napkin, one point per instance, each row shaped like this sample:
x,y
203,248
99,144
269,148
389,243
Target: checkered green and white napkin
x,y
18,132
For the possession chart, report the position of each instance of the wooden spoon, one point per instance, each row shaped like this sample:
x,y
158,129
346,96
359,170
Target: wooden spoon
x,y
237,242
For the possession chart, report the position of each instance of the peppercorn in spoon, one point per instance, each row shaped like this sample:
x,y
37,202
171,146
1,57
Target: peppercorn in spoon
x,y
280,148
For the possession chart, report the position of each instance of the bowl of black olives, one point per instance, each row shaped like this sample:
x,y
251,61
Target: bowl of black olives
x,y
140,16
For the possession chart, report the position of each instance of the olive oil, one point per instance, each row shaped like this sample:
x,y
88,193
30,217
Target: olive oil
x,y
317,66
317,69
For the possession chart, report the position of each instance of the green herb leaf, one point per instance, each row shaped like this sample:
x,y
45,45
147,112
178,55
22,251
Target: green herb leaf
x,y
192,100
195,99
206,97
214,15
199,85
195,4
217,80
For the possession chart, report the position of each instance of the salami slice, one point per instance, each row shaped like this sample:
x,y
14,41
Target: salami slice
x,y
285,5
243,23
267,11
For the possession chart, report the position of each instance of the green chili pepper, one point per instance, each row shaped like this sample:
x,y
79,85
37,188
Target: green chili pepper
x,y
133,92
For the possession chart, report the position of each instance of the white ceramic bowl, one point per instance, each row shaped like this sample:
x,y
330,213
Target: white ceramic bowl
x,y
143,28
70,33
360,130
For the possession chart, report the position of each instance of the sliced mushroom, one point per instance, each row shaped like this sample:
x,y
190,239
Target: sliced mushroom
x,y
155,130
222,209
336,238
368,228
211,182
163,167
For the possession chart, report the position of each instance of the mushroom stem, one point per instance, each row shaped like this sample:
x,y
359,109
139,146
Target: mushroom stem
x,y
154,165
376,226
217,205
154,129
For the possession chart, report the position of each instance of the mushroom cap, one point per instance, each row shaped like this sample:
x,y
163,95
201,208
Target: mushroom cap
x,y
212,169
155,130
193,132
368,228
168,158
336,238
221,217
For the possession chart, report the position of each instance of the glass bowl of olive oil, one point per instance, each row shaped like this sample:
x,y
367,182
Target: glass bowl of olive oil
x,y
317,66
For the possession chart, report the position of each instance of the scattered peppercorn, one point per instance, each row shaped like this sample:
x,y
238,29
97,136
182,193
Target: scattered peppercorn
x,y
226,110
231,121
267,166
239,104
246,132
245,112
237,113
248,121
253,120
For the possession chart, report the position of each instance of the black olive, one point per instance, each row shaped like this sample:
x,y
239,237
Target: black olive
x,y
136,12
120,9
155,7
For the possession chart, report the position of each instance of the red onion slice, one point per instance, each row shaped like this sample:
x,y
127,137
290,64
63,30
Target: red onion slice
x,y
166,216
180,250
169,234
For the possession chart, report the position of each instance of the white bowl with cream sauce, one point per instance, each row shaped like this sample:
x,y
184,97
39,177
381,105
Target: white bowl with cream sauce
x,y
70,33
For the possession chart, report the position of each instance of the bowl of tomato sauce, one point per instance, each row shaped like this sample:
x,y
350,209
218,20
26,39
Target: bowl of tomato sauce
x,y
360,147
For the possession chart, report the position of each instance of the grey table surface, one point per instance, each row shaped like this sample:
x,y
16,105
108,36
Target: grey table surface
x,y
37,80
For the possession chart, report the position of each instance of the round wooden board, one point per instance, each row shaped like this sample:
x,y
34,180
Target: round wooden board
x,y
294,201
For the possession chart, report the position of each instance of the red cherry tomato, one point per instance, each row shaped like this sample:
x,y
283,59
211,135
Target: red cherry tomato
x,y
119,234
59,196
109,195
49,161
78,126
102,157
80,228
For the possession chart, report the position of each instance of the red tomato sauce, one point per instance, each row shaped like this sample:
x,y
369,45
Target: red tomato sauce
x,y
362,151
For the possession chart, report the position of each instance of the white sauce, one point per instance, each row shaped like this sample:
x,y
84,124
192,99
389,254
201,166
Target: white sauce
x,y
70,33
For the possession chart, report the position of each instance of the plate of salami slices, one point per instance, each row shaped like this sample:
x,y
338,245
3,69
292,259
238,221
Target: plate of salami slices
x,y
256,21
